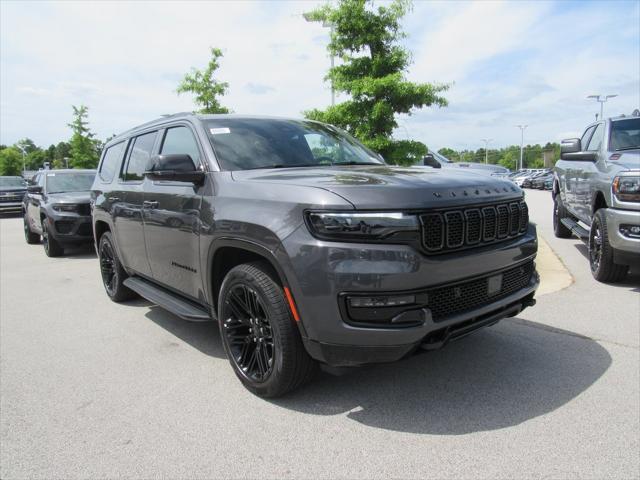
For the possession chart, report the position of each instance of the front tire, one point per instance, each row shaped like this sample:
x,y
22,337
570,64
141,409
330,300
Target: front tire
x,y
111,270
559,212
52,247
30,237
259,335
601,261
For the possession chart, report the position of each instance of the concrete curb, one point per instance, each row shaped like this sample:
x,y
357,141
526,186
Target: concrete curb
x,y
554,276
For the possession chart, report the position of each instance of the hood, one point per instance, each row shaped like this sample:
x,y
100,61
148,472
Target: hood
x,y
629,159
479,167
70,197
387,187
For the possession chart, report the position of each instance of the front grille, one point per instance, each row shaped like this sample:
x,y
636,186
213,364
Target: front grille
x,y
64,226
84,209
10,198
85,229
458,298
457,229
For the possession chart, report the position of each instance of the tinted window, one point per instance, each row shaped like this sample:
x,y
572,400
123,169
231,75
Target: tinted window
x,y
111,161
140,153
625,134
596,139
69,182
243,144
181,140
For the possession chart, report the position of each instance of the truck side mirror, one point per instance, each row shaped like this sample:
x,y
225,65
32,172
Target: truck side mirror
x,y
571,149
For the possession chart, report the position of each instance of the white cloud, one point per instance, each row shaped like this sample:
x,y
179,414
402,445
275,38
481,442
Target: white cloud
x,y
512,62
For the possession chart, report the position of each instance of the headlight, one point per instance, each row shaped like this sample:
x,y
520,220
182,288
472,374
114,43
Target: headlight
x,y
361,226
627,189
65,207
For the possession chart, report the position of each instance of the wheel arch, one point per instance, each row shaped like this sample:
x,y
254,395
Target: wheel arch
x,y
226,253
599,201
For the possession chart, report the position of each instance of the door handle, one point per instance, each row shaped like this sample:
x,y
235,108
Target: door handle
x,y
148,204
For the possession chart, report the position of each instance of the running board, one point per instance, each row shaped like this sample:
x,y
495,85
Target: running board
x,y
576,229
168,300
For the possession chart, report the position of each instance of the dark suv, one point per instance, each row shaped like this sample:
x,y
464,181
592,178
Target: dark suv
x,y
304,245
57,208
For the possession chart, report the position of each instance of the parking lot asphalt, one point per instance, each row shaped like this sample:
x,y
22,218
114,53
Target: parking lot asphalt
x,y
94,389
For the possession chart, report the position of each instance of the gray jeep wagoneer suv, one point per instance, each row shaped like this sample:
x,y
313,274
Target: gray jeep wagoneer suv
x,y
304,245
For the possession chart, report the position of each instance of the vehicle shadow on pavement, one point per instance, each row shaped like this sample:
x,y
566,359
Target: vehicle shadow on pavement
x,y
631,280
80,251
203,336
497,378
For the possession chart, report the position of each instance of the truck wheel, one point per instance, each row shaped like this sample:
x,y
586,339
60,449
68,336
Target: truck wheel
x,y
51,246
559,213
113,274
30,237
603,268
259,334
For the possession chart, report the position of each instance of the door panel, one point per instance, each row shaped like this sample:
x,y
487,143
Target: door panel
x,y
128,220
172,221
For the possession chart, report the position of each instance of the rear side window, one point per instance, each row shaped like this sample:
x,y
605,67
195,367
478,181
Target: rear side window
x,y
141,149
181,140
111,162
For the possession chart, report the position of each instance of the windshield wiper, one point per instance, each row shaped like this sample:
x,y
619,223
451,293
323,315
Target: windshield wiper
x,y
636,147
282,165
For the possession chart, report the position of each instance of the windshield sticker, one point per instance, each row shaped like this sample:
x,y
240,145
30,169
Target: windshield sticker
x,y
220,130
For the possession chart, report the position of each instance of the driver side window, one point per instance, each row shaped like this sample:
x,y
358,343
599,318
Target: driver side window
x,y
586,137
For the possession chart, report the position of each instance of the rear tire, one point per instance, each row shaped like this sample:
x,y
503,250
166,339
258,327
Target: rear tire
x,y
111,270
30,237
259,335
559,212
601,261
52,247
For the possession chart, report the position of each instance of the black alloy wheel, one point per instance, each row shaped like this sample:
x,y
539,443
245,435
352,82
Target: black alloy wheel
x,y
248,333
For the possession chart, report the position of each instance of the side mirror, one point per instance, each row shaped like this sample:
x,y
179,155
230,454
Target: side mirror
x,y
34,189
177,167
571,149
430,161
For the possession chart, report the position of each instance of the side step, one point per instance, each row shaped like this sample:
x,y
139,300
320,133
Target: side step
x,y
168,300
576,229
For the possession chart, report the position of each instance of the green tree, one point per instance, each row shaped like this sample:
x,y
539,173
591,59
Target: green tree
x,y
10,161
372,73
83,145
204,87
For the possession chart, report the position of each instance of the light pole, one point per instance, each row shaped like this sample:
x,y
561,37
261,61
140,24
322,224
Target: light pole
x,y
24,153
325,24
522,129
602,99
486,146
66,162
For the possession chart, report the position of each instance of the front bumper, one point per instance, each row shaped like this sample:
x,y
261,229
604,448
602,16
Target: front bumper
x,y
322,272
71,228
626,249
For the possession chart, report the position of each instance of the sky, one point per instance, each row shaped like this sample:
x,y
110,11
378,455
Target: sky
x,y
507,63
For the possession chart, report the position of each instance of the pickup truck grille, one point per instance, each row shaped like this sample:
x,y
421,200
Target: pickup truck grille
x,y
456,229
11,197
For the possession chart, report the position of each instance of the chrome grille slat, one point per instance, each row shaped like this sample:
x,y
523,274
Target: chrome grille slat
x,y
458,228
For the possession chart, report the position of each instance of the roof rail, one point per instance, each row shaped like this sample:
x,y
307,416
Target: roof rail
x,y
162,117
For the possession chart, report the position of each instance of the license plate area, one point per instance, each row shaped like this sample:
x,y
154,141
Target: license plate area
x,y
494,285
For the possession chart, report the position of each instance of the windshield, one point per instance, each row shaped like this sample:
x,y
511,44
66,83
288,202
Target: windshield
x,y
245,144
625,134
69,182
441,158
12,182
